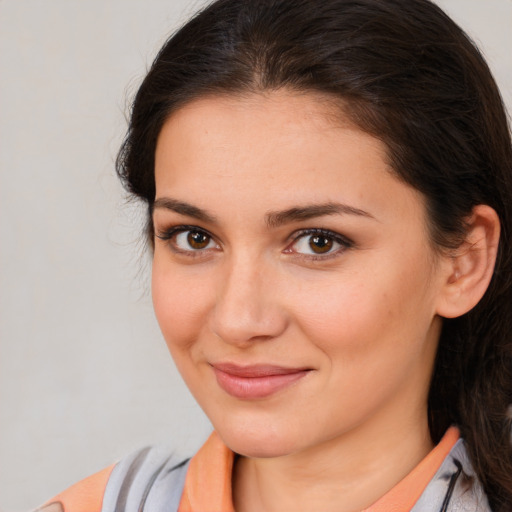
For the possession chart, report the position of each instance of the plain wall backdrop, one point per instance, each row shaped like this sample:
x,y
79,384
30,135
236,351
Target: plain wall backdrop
x,y
85,376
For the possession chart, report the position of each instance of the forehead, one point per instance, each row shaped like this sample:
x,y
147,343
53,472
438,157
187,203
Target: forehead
x,y
281,147
282,125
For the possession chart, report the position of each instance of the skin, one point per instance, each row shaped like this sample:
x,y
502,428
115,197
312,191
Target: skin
x,y
363,317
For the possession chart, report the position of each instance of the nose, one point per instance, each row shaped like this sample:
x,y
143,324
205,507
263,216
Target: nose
x,y
247,307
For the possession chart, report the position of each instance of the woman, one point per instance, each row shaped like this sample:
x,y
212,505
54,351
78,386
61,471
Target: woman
x,y
328,193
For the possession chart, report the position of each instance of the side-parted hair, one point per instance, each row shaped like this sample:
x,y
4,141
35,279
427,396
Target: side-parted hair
x,y
405,73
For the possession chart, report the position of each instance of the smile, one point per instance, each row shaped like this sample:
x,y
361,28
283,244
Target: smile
x,y
259,381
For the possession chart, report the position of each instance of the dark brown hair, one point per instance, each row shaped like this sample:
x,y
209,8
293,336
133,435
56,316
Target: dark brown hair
x,y
410,76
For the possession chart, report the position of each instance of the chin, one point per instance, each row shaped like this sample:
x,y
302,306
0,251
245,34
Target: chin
x,y
257,448
258,441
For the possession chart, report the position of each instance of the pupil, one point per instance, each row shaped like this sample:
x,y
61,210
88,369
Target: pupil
x,y
197,240
320,244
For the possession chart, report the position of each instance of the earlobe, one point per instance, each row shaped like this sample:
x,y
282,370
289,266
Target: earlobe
x,y
470,267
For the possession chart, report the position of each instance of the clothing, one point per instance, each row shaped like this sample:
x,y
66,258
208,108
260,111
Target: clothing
x,y
151,480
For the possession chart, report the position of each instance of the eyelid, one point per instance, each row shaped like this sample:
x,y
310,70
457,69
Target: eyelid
x,y
342,240
167,235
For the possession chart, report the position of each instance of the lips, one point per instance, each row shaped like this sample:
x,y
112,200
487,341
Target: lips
x,y
258,381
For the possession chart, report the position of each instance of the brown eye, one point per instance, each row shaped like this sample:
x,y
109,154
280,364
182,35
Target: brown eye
x,y
198,240
193,240
320,244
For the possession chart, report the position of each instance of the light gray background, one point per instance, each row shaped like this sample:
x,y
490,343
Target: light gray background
x,y
84,373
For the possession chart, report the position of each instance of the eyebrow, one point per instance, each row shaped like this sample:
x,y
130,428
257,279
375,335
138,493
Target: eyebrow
x,y
276,219
184,209
273,219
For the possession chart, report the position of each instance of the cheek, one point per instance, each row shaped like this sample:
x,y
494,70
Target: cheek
x,y
374,341
343,319
364,315
180,304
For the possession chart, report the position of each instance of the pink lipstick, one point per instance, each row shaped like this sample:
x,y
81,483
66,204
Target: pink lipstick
x,y
258,381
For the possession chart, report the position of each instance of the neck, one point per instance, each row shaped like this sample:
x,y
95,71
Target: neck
x,y
346,474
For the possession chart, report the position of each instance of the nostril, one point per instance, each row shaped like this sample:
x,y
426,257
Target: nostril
x,y
248,324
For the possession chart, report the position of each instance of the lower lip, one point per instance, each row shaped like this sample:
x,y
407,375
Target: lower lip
x,y
248,388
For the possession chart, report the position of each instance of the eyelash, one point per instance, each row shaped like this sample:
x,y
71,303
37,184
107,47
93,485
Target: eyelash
x,y
169,234
344,243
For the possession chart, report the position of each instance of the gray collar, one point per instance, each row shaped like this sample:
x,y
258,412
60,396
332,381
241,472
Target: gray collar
x,y
455,487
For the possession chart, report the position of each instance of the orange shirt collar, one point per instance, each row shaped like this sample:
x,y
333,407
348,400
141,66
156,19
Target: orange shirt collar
x,y
208,481
403,496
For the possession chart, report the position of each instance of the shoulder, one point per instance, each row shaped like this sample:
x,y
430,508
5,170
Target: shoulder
x,y
148,478
455,486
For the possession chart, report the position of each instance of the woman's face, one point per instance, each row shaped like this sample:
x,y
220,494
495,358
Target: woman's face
x,y
293,278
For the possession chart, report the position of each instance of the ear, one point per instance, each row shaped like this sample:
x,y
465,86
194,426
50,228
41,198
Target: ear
x,y
470,267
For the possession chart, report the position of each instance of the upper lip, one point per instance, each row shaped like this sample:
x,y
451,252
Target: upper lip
x,y
256,370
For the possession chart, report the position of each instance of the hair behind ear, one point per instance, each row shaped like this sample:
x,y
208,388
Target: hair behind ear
x,y
472,381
